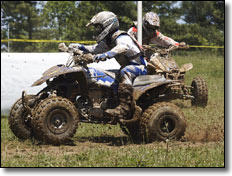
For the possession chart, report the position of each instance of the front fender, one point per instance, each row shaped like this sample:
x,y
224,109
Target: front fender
x,y
186,67
56,71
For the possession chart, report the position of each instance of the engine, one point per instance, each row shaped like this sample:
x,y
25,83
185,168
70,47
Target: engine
x,y
93,107
99,103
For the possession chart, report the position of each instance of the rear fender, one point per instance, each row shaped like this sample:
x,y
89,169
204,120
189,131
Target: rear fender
x,y
140,90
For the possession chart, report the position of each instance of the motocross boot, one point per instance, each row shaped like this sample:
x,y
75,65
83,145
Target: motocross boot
x,y
125,95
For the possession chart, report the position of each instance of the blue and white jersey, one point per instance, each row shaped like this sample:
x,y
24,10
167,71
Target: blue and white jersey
x,y
125,45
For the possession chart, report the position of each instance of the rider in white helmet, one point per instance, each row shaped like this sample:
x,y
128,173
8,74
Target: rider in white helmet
x,y
112,42
150,32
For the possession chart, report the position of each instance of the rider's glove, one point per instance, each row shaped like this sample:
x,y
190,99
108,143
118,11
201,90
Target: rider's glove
x,y
74,46
182,44
100,57
104,56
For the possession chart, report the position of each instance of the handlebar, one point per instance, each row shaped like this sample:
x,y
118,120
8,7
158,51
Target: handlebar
x,y
164,50
76,55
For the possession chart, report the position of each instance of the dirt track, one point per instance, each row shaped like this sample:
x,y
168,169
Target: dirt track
x,y
81,145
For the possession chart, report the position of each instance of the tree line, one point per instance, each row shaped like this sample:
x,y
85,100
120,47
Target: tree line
x,y
193,22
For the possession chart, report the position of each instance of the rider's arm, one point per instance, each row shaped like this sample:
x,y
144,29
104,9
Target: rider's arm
x,y
162,40
120,48
158,39
94,49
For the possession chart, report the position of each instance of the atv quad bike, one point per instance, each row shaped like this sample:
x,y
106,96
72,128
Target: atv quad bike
x,y
161,63
76,93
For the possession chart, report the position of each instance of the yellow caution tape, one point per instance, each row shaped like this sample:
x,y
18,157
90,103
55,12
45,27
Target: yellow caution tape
x,y
194,46
87,42
58,41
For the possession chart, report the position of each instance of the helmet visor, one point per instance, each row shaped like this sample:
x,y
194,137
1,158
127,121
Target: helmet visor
x,y
98,28
151,28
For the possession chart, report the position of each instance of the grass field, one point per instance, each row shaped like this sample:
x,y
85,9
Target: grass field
x,y
107,146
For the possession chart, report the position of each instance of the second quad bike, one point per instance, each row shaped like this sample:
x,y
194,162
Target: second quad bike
x,y
161,63
76,93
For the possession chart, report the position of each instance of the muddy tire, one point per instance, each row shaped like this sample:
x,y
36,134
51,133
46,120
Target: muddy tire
x,y
162,121
55,121
18,119
199,91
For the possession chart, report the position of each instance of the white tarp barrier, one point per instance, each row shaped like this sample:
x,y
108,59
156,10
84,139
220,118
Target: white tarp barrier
x,y
20,70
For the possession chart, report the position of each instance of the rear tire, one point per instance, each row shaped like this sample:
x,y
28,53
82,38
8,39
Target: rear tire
x,y
162,121
55,121
200,92
18,119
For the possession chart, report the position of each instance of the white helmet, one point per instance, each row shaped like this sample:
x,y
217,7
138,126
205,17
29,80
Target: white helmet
x,y
151,22
106,22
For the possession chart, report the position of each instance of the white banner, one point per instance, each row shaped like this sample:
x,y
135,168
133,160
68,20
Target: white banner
x,y
20,70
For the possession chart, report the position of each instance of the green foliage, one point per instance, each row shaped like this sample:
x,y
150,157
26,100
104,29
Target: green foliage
x,y
57,14
206,21
24,21
66,20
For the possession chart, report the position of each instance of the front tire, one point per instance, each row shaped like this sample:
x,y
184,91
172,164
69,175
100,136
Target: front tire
x,y
200,92
55,121
18,119
162,121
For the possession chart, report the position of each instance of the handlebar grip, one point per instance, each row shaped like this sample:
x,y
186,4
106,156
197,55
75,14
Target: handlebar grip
x,y
62,47
184,46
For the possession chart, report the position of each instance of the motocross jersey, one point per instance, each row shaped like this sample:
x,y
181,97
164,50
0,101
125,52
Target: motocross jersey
x,y
158,38
125,50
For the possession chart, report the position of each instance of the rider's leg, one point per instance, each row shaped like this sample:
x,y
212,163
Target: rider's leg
x,y
125,91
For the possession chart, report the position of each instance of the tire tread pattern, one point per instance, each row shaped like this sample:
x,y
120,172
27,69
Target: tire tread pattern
x,y
147,116
200,92
40,131
16,123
